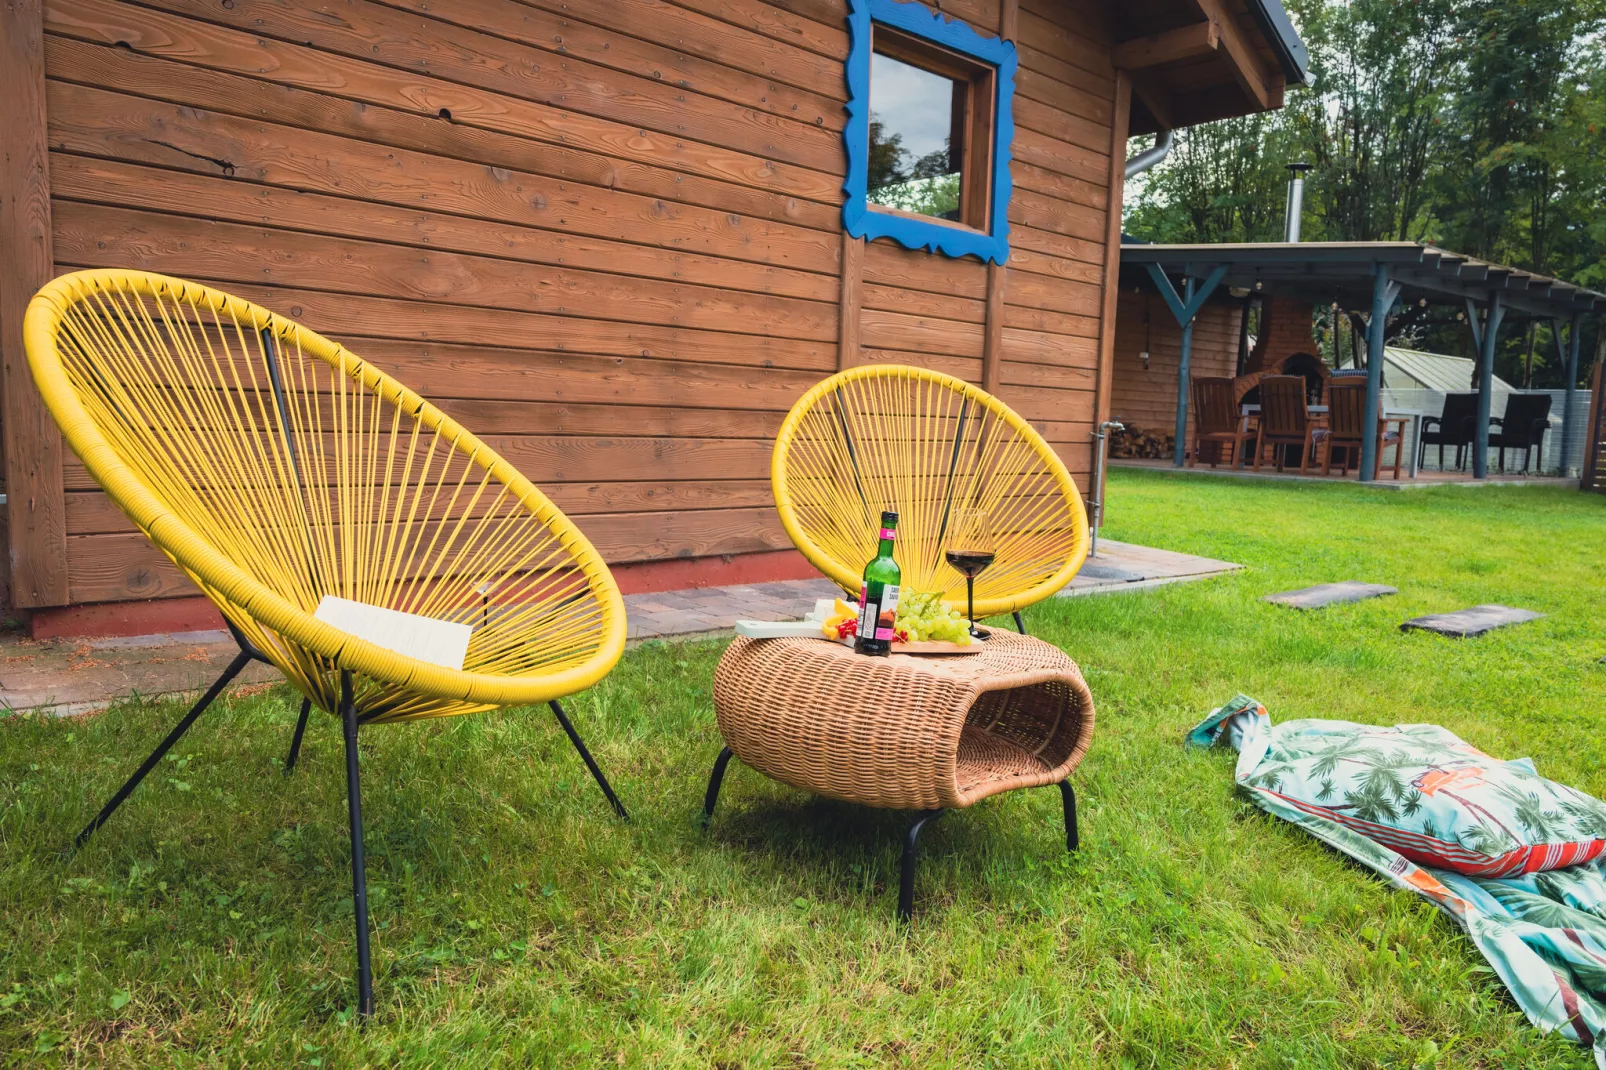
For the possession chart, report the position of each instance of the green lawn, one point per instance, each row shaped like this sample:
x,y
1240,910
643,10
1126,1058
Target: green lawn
x,y
518,924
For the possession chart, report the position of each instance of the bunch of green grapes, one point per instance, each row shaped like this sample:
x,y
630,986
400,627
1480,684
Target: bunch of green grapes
x,y
923,615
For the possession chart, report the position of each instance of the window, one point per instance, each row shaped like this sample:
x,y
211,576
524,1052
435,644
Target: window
x,y
928,131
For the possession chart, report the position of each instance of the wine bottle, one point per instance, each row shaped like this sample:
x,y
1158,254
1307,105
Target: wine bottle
x,y
878,598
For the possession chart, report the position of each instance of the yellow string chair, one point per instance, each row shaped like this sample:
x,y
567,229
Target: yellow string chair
x,y
275,467
926,446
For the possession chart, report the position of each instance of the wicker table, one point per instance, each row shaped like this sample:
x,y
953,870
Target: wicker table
x,y
904,732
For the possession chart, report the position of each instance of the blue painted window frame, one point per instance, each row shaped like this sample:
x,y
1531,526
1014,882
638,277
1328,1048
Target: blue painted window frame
x,y
858,216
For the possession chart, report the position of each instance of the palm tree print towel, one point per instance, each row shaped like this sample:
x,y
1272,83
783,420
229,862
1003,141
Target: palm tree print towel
x,y
1514,858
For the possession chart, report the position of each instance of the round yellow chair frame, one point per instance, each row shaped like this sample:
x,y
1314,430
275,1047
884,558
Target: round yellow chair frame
x,y
926,445
274,466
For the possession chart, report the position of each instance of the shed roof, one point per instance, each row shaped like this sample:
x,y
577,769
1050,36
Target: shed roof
x,y
1434,371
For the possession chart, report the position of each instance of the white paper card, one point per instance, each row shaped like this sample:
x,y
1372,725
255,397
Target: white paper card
x,y
779,629
439,642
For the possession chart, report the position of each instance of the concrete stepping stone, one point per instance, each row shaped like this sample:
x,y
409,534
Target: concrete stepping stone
x,y
1327,594
1464,623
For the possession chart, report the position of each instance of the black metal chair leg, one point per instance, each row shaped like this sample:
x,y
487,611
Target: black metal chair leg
x,y
295,740
714,782
239,662
596,773
359,870
911,855
1020,623
1068,797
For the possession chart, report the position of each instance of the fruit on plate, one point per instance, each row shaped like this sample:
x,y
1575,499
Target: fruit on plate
x,y
923,616
843,623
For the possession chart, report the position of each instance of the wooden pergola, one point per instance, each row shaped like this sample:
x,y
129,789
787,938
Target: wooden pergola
x,y
1378,274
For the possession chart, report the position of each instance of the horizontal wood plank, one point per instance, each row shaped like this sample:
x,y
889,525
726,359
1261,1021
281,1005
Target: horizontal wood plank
x,y
100,236
189,61
113,125
115,182
107,568
404,41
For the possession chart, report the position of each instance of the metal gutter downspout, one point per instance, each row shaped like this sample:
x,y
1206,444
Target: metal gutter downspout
x,y
1135,165
1146,159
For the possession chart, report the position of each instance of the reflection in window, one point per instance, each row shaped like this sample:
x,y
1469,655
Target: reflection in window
x,y
916,138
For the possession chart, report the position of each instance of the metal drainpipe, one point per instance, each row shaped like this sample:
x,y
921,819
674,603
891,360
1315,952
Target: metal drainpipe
x,y
1152,155
1099,438
1135,165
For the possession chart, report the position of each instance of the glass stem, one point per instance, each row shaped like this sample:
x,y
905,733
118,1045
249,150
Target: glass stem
x,y
970,597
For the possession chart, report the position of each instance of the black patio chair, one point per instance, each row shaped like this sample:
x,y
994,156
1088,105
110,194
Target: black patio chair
x,y
1522,428
1456,426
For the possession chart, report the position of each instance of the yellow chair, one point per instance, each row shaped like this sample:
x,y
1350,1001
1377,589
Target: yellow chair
x,y
926,445
275,467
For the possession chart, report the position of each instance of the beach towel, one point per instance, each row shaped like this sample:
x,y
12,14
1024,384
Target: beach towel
x,y
1542,930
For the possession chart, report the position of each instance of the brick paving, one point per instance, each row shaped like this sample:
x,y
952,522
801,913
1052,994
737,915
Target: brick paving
x,y
78,675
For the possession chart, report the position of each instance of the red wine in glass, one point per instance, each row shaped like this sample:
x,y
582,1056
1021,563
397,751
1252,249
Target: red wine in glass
x,y
972,551
970,563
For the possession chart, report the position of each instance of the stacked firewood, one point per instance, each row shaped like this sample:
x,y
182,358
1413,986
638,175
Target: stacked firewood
x,y
1134,442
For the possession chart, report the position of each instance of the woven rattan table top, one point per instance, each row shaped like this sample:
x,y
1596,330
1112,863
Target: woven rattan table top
x,y
904,731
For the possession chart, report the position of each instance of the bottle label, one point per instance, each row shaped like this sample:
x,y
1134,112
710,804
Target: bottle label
x,y
888,534
878,612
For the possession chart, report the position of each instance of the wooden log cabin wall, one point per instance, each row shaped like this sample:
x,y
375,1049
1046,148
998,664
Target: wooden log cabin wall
x,y
1144,394
607,237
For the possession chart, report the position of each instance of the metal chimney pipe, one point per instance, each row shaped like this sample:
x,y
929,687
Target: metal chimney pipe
x,y
1296,200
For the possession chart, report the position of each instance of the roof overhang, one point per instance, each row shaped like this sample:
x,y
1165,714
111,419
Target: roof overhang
x,y
1194,61
1323,272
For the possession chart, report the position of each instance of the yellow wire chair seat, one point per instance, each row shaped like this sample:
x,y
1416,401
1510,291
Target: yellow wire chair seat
x,y
275,467
927,446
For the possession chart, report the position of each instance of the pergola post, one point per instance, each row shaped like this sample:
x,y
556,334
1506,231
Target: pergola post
x,y
1491,334
1384,293
1179,450
1570,364
1185,309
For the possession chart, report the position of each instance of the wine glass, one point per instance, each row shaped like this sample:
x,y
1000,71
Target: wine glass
x,y
970,550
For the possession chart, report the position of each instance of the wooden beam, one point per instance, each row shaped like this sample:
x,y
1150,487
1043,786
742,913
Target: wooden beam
x,y
1251,76
35,509
1592,433
1157,49
847,351
1008,19
1119,123
1156,97
992,341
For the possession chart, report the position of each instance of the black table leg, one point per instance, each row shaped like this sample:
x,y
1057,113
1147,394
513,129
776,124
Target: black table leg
x,y
714,782
911,856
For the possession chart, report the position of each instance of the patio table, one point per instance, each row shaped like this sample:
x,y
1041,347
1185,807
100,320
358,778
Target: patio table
x,y
1402,416
908,732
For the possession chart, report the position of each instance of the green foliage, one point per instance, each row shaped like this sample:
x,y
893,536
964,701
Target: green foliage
x,y
927,185
518,924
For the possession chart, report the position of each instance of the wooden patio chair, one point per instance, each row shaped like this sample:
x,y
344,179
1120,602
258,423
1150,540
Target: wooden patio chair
x,y
277,469
1284,419
1216,420
926,445
1346,430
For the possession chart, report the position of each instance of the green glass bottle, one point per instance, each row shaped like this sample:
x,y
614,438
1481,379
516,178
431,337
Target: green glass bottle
x,y
878,598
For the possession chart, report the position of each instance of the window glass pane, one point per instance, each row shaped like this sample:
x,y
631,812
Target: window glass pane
x,y
913,125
